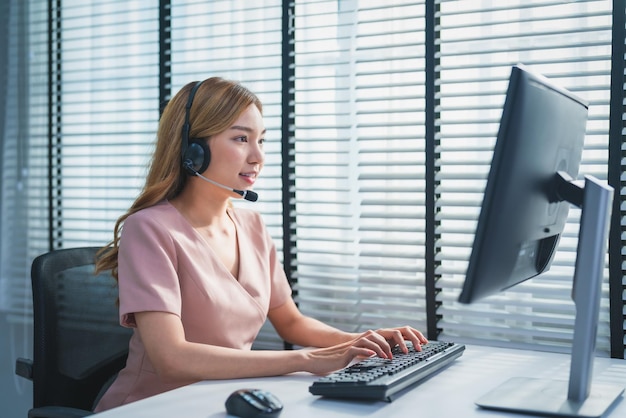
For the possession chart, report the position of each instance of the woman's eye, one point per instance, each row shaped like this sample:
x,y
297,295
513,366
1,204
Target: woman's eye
x,y
241,139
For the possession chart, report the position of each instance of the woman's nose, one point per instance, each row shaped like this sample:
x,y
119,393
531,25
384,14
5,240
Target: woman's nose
x,y
257,154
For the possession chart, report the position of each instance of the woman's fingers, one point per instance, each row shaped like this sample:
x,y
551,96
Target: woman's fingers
x,y
399,336
367,344
375,342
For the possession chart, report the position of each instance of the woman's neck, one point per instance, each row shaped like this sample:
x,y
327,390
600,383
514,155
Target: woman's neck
x,y
201,208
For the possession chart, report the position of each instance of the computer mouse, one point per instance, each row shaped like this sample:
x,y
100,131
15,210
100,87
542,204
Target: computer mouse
x,y
253,403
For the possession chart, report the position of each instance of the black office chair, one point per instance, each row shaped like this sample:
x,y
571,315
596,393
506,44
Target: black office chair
x,y
79,345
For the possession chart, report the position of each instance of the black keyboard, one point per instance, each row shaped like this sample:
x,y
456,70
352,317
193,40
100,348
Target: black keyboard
x,y
376,378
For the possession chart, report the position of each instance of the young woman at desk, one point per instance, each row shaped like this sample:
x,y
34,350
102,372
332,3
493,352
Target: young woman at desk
x,y
198,278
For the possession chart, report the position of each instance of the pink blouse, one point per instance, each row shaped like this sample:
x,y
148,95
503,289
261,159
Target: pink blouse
x,y
165,265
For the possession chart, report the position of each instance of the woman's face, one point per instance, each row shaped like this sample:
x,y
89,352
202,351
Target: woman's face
x,y
237,154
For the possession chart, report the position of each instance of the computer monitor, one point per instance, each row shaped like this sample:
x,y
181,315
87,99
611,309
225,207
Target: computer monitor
x,y
531,184
541,133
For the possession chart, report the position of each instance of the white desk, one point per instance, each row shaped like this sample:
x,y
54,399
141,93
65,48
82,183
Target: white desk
x,y
450,393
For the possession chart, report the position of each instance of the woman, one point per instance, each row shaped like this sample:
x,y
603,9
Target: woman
x,y
198,278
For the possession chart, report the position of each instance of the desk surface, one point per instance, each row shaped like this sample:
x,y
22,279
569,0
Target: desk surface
x,y
450,393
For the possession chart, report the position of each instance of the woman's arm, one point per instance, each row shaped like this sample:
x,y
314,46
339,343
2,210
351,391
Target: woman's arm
x,y
305,331
176,359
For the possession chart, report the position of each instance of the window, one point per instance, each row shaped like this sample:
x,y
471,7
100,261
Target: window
x,y
361,208
370,105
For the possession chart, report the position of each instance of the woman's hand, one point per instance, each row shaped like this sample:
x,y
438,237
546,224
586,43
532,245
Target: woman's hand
x,y
399,336
367,344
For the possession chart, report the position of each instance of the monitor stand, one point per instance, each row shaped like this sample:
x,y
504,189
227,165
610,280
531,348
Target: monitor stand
x,y
579,398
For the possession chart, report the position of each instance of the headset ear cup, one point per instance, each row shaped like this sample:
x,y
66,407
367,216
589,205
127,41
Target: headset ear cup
x,y
197,157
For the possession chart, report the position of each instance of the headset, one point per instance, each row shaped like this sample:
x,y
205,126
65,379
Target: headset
x,y
195,152
196,156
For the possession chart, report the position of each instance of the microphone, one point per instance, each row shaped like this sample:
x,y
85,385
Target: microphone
x,y
249,195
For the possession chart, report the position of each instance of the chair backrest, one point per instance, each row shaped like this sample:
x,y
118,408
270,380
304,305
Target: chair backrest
x,y
78,342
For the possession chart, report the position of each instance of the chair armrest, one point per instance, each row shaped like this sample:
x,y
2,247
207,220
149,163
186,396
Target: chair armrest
x,y
57,412
24,368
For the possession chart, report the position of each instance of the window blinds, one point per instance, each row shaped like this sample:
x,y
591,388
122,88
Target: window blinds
x,y
243,42
359,151
24,182
360,162
360,157
568,42
90,103
106,96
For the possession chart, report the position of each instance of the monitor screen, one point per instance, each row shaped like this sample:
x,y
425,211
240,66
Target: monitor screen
x,y
541,133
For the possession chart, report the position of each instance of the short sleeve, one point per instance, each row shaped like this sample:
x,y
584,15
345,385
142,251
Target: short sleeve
x,y
147,269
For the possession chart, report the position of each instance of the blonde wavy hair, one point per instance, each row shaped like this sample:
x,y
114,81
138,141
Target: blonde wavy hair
x,y
217,104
